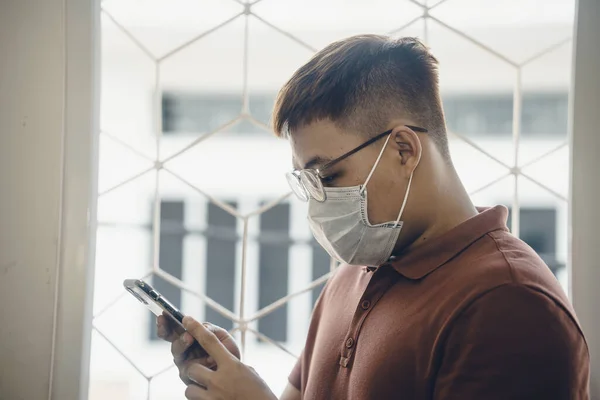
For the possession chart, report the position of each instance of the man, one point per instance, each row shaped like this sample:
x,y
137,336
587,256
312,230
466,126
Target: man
x,y
435,299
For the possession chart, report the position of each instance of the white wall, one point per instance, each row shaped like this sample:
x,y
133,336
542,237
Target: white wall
x,y
47,112
585,183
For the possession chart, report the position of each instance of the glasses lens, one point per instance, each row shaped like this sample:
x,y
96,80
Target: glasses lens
x,y
296,186
313,184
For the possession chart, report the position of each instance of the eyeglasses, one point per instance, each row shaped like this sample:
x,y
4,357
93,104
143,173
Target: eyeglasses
x,y
306,183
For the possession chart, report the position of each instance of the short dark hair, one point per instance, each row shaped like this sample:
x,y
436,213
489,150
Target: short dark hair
x,y
361,83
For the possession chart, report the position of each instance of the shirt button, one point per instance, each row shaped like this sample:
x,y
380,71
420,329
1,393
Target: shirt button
x,y
349,343
366,304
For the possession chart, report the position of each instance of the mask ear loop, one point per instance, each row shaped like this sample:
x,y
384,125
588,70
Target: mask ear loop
x,y
405,199
364,187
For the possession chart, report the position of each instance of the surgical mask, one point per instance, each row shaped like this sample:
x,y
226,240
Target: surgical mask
x,y
341,225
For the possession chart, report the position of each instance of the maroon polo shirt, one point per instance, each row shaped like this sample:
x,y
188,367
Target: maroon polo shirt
x,y
473,314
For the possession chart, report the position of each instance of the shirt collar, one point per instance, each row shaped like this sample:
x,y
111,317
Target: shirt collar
x,y
429,256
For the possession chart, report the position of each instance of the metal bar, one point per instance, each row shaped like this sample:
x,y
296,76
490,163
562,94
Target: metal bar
x,y
516,134
258,123
243,331
475,42
156,224
516,209
245,94
271,341
210,302
546,188
130,36
406,25
287,34
487,185
163,370
243,325
157,135
116,299
198,37
225,207
546,51
437,4
157,110
517,116
426,27
281,302
126,181
118,350
546,154
476,147
126,145
201,139
269,205
415,2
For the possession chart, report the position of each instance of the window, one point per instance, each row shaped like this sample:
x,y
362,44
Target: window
x,y
273,242
538,230
221,250
543,114
172,234
273,269
203,61
205,112
321,264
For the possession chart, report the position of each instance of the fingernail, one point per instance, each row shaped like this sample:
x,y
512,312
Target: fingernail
x,y
186,321
210,361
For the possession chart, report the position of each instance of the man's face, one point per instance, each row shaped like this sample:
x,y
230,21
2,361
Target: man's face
x,y
315,144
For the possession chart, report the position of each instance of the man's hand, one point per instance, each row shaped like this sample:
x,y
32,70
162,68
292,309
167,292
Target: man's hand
x,y
230,380
185,349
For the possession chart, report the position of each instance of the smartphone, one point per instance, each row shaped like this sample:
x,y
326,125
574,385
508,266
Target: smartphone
x,y
159,305
152,299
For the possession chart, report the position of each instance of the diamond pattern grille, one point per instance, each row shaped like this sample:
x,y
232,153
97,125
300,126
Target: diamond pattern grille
x,y
156,168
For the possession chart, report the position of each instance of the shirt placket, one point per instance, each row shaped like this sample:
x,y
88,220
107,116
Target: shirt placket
x,y
381,280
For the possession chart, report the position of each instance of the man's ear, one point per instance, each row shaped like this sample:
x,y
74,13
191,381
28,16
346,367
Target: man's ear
x,y
406,142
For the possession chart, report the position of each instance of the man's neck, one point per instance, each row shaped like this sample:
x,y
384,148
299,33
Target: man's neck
x,y
450,207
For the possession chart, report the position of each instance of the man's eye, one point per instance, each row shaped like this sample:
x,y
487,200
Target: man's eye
x,y
328,179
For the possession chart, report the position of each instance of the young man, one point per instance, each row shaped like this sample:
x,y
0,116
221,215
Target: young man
x,y
435,299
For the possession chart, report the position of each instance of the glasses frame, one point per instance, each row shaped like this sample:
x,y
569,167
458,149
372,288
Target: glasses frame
x,y
298,175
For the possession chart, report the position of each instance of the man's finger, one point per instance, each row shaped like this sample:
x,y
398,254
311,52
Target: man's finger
x,y
199,374
195,392
179,347
165,329
207,340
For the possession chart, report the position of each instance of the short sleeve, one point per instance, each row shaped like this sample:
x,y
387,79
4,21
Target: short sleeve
x,y
514,343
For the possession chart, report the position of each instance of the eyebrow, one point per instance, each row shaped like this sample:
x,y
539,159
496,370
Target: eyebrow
x,y
317,160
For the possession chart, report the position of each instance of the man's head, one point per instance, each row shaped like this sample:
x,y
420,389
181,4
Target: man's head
x,y
361,84
353,90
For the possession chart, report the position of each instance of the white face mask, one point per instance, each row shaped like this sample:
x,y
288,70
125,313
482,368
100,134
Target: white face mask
x,y
341,225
